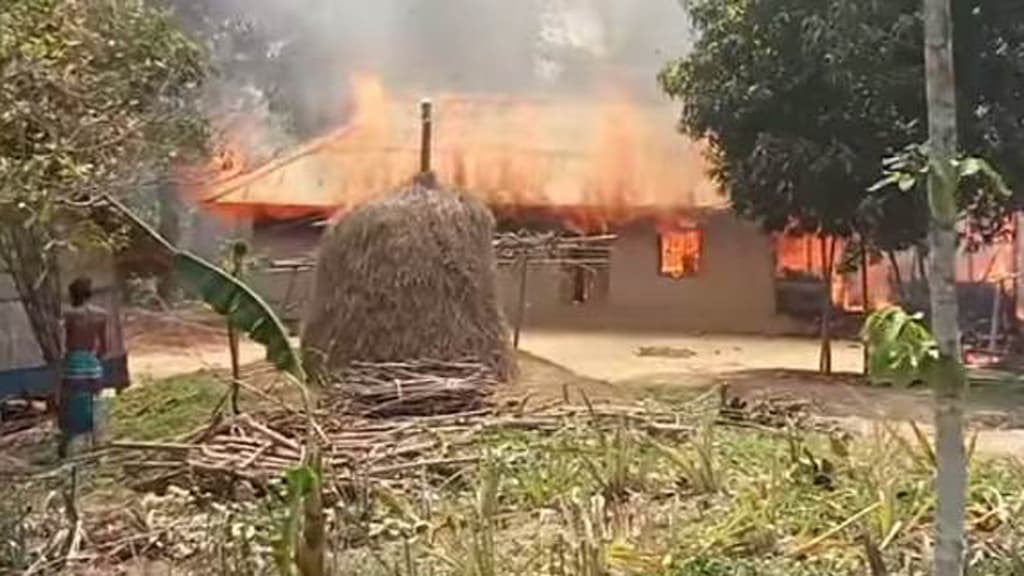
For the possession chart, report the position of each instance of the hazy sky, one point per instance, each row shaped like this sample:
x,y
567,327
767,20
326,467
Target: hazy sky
x,y
429,47
478,45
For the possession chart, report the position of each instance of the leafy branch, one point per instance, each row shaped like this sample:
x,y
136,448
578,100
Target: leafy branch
x,y
901,348
981,191
910,168
227,295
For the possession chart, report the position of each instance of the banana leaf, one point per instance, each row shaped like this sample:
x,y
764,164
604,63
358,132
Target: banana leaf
x,y
242,308
227,295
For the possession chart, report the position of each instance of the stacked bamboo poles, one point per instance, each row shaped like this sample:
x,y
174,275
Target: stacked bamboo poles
x,y
553,249
413,388
262,448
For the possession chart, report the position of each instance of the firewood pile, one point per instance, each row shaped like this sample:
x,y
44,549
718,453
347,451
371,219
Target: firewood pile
x,y
261,448
414,388
18,415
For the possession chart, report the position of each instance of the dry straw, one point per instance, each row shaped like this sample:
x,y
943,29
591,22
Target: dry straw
x,y
407,277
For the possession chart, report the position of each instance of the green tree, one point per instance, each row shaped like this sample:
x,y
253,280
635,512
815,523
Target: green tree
x,y
800,100
95,98
902,348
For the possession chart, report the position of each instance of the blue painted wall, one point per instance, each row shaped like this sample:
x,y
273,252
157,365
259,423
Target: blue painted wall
x,y
41,381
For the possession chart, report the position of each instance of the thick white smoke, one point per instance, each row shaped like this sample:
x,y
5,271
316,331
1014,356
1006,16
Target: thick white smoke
x,y
311,48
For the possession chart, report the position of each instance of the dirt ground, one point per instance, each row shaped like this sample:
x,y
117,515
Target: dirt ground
x,y
633,358
627,366
666,366
163,345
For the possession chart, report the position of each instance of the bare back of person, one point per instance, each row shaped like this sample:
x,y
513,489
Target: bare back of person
x,y
85,345
85,329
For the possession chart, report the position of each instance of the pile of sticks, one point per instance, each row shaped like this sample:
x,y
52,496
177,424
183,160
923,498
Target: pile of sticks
x,y
509,247
549,248
17,415
771,413
261,448
412,388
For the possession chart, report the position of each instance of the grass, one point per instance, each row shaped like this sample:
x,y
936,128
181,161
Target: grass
x,y
791,504
165,408
583,502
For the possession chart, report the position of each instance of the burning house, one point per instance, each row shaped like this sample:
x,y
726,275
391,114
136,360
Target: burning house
x,y
665,250
670,253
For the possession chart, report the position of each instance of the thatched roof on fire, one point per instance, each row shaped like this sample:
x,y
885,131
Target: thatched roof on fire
x,y
510,153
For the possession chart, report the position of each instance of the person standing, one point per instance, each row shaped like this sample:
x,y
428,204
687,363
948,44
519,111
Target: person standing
x,y
85,337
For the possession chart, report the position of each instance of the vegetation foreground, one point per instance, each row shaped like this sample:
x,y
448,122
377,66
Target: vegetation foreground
x,y
580,500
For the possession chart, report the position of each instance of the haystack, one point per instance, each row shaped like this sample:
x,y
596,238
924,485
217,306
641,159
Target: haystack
x,y
407,277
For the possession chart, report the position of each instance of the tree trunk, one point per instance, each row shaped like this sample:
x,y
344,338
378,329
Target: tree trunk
x,y
1014,325
828,253
948,378
922,270
897,276
36,276
865,297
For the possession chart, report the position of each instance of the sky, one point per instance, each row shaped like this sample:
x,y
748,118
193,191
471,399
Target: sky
x,y
537,47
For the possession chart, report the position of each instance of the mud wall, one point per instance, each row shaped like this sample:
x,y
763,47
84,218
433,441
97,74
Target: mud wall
x,y
732,292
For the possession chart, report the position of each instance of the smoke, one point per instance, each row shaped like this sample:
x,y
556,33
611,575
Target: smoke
x,y
300,55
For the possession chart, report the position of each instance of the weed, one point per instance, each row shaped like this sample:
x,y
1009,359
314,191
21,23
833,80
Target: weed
x,y
695,468
471,547
611,465
15,531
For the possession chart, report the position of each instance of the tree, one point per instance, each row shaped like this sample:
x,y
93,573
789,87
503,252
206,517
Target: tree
x,y
94,98
800,99
902,347
949,380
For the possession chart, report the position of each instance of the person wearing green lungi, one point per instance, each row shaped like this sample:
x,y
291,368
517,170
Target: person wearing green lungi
x,y
85,336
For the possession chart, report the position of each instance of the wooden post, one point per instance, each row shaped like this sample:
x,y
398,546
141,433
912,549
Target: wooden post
x,y
521,303
828,249
426,130
865,297
1014,326
993,329
238,252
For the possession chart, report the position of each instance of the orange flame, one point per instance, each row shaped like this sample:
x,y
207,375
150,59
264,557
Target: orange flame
x,y
592,163
801,257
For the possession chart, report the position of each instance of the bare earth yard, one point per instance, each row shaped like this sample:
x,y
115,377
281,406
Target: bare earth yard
x,y
637,364
612,365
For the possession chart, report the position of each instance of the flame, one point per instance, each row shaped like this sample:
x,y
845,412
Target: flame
x,y
229,160
801,257
591,163
681,251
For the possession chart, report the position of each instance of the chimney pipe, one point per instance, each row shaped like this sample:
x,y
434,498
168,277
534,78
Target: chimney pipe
x,y
426,110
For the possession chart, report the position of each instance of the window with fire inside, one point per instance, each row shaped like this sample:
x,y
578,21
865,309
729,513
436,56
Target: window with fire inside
x,y
680,253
